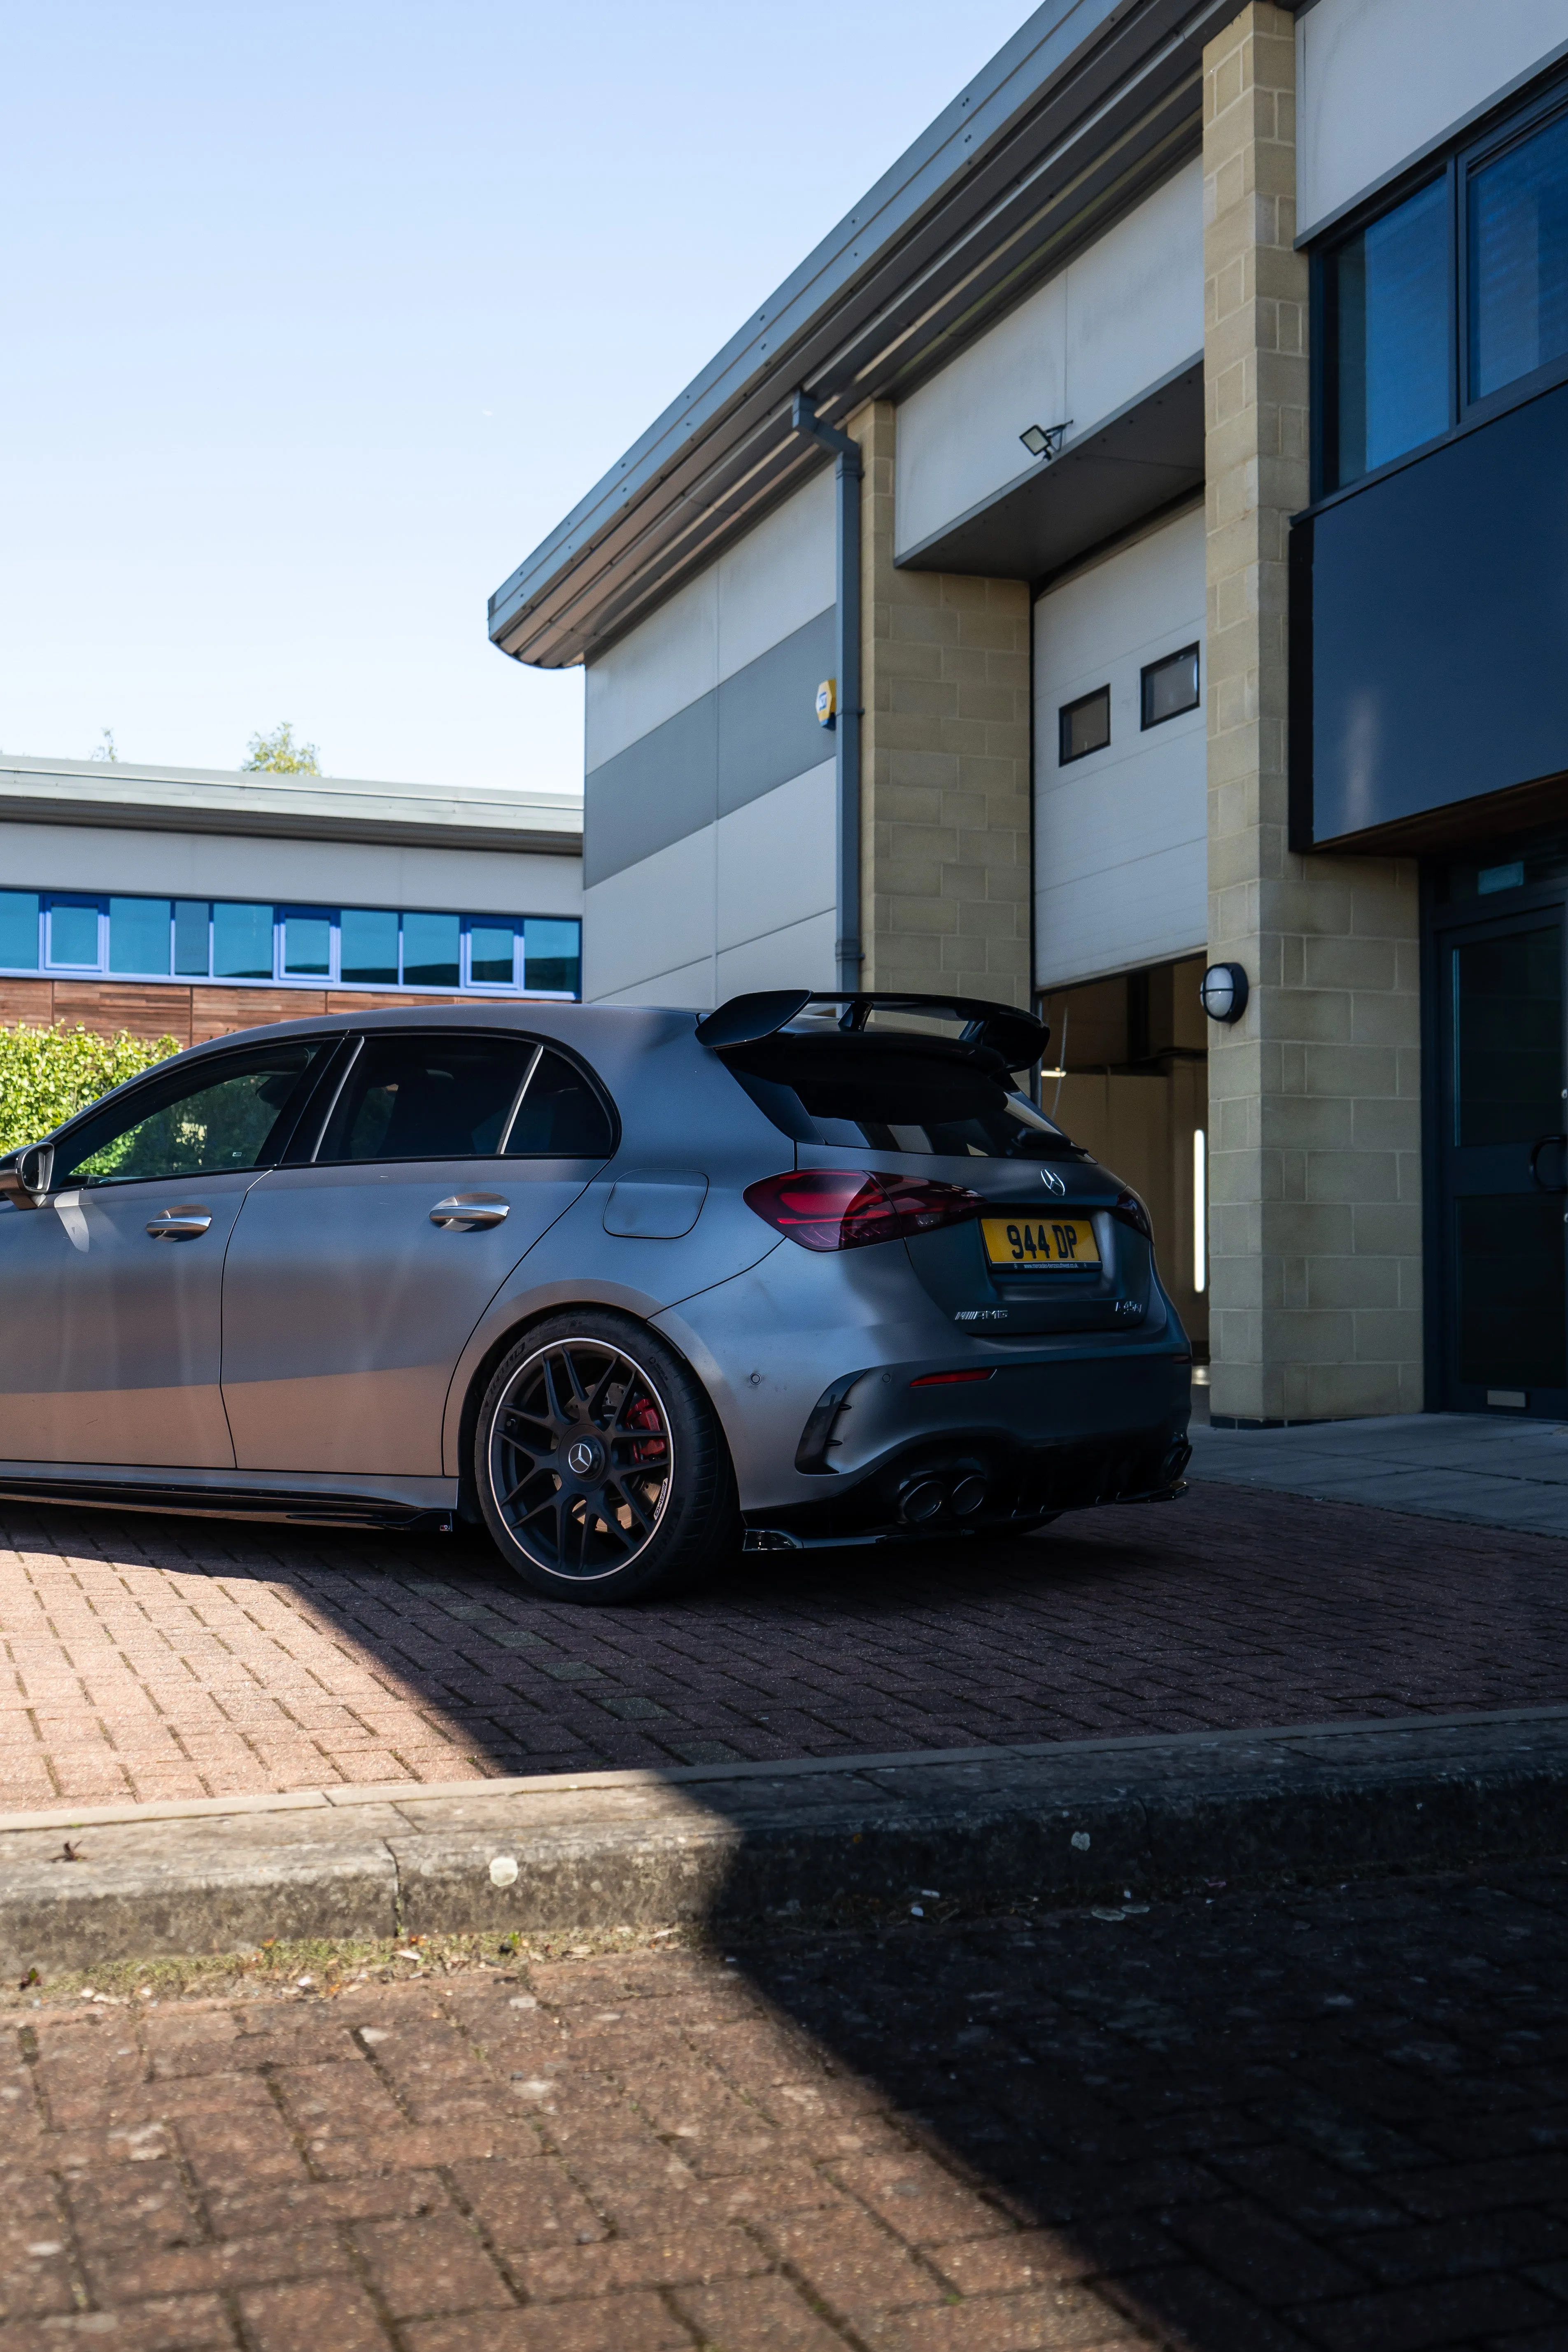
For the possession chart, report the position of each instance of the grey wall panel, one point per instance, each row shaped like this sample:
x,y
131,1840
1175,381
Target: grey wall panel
x,y
768,729
753,732
660,789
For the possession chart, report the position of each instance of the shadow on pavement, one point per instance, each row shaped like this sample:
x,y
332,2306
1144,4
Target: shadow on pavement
x,y
1335,2119
1230,1609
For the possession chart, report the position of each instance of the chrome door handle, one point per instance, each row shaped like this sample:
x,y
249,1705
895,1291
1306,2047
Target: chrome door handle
x,y
1542,1144
179,1224
469,1215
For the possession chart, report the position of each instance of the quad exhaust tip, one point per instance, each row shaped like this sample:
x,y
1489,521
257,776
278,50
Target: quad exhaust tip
x,y
926,1498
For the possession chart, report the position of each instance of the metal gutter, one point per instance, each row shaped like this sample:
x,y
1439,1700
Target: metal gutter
x,y
1085,108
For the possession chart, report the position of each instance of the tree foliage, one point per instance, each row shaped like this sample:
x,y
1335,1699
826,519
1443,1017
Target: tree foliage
x,y
48,1075
278,755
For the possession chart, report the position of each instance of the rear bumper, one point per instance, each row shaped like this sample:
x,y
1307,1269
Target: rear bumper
x,y
886,1457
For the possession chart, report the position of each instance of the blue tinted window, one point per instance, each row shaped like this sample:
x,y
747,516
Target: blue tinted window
x,y
242,942
20,930
1388,331
552,955
308,946
191,937
430,950
73,933
368,955
489,953
139,935
1519,260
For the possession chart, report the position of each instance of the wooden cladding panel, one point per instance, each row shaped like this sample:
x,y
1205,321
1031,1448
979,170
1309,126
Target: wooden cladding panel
x,y
190,1014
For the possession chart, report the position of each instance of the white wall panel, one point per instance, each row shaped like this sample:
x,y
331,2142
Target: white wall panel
x,y
652,917
330,873
1121,855
779,576
690,985
800,955
654,672
1380,80
766,587
774,861
1123,316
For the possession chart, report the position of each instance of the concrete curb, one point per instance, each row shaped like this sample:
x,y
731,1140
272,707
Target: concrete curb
x,y
1061,1822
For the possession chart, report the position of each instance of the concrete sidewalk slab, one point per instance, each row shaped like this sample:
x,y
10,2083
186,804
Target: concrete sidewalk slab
x,y
1057,1822
1476,1467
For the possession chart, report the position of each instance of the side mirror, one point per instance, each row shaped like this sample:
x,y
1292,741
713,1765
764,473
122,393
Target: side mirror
x,y
24,1175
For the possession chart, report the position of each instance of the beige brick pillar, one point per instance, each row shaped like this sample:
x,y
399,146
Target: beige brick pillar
x,y
1314,1096
944,761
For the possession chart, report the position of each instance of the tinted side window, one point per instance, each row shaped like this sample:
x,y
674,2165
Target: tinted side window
x,y
427,1097
232,1113
560,1116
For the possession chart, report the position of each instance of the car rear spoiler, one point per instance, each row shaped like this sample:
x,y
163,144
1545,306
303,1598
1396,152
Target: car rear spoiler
x,y
1016,1036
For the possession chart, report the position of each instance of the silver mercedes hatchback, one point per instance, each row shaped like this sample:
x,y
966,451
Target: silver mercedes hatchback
x,y
635,1288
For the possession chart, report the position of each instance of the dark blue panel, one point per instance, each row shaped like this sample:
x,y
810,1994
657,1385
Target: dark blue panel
x,y
1430,631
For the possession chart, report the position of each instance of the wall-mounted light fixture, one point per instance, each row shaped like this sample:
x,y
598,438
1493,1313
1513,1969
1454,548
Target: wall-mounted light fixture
x,y
1222,991
1045,440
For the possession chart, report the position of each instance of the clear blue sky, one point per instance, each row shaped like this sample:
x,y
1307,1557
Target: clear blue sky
x,y
318,315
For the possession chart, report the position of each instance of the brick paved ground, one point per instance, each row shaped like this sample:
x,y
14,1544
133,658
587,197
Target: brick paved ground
x,y
164,1658
1331,2120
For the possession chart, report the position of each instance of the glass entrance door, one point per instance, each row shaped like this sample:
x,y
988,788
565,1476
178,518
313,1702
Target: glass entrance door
x,y
1503,1164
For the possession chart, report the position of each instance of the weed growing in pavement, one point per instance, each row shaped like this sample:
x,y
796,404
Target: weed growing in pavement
x,y
317,1969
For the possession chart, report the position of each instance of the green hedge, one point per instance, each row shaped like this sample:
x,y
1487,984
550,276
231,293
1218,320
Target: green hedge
x,y
47,1075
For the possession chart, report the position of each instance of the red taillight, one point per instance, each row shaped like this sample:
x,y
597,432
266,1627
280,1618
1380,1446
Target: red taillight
x,y
1131,1210
848,1208
947,1380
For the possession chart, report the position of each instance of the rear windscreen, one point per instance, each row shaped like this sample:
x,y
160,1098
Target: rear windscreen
x,y
894,1093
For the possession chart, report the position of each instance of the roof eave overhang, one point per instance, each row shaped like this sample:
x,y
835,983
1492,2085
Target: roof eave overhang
x,y
1071,124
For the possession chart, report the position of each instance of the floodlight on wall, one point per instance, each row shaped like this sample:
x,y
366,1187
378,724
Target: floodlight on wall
x,y
1222,991
1045,440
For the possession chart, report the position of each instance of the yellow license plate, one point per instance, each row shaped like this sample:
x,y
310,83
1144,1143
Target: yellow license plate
x,y
1040,1241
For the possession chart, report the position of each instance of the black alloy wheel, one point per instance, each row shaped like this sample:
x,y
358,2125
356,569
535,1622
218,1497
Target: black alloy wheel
x,y
601,1468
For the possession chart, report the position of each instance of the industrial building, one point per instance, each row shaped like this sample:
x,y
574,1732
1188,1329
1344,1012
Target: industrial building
x,y
1134,541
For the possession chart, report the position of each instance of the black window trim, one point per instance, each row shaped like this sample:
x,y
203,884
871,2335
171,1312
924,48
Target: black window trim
x,y
1162,661
1515,118
357,1039
1066,758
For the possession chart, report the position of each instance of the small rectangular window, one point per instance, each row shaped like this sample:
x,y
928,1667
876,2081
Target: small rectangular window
x,y
1518,220
553,956
368,955
20,930
73,934
1085,725
307,945
430,950
242,942
138,936
1386,309
1170,687
191,942
491,957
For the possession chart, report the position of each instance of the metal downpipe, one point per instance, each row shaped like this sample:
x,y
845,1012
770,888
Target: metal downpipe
x,y
848,953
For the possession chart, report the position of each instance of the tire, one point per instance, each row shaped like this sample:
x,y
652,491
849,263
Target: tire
x,y
600,1466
